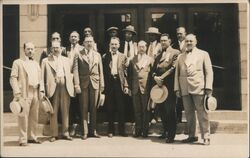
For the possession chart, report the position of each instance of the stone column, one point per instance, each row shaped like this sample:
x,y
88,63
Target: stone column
x,y
242,8
33,28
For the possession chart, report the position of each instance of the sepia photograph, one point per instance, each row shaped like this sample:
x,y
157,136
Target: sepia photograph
x,y
140,78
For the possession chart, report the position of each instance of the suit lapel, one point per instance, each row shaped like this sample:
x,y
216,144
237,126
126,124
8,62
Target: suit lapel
x,y
51,62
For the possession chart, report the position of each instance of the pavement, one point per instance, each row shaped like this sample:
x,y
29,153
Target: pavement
x,y
222,145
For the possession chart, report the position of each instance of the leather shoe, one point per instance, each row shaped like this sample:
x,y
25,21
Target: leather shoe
x,y
136,135
84,137
144,135
67,138
169,140
110,135
52,139
35,141
95,136
23,144
206,142
163,136
190,140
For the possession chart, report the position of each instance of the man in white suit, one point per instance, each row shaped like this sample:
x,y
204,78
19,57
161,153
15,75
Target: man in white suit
x,y
58,86
193,80
25,79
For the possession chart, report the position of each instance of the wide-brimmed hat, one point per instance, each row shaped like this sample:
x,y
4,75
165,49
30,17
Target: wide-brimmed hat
x,y
112,28
210,103
46,106
19,107
159,94
130,28
153,30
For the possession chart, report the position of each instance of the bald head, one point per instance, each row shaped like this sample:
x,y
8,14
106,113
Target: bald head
x,y
190,41
142,47
74,37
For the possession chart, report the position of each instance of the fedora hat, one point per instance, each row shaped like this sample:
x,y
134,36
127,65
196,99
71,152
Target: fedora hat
x,y
112,28
46,106
153,30
101,100
210,103
19,107
159,94
130,28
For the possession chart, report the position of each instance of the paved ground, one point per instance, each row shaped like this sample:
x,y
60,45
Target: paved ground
x,y
222,145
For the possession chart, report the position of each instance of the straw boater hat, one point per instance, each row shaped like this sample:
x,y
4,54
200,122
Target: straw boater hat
x,y
19,107
130,28
112,28
153,30
159,94
210,103
46,106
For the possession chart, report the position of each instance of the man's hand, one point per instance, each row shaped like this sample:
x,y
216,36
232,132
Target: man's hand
x,y
178,94
77,89
17,96
126,90
102,89
158,81
208,92
41,95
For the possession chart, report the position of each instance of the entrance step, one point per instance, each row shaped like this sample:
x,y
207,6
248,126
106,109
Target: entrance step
x,y
237,124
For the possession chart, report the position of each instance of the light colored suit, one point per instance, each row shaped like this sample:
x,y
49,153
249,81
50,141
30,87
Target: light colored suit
x,y
193,75
90,76
20,80
59,90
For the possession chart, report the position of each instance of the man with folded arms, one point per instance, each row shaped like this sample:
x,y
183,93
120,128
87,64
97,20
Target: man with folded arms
x,y
25,79
194,80
58,86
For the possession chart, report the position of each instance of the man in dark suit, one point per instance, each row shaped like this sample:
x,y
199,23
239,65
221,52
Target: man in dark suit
x,y
194,80
90,76
114,64
74,111
138,75
57,84
54,37
180,45
165,63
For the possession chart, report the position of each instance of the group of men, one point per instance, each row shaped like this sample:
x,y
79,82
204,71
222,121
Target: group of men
x,y
125,74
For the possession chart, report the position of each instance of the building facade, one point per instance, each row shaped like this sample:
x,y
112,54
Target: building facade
x,y
221,30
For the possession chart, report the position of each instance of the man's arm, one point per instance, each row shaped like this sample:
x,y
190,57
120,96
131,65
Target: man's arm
x,y
14,79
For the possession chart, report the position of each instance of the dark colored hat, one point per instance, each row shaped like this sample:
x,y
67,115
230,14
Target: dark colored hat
x,y
130,28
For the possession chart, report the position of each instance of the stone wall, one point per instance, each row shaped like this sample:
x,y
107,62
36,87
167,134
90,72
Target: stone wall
x,y
242,7
33,30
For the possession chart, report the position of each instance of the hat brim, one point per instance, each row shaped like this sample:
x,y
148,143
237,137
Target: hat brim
x,y
50,108
206,106
129,31
156,33
109,29
163,97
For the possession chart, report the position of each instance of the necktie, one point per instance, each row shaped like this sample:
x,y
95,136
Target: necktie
x,y
128,54
30,58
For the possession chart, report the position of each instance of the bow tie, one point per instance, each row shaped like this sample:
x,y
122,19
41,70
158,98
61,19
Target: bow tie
x,y
30,58
189,51
113,53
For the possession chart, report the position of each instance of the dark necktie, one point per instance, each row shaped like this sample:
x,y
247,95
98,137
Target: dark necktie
x,y
128,54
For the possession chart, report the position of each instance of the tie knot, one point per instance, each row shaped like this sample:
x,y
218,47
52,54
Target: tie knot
x,y
189,51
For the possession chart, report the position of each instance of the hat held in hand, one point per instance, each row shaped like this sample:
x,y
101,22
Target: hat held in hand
x,y
159,94
210,103
19,107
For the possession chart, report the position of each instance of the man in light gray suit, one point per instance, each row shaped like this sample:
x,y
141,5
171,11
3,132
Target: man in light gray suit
x,y
90,76
58,86
25,78
193,80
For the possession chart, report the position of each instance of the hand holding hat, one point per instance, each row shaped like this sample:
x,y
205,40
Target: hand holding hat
x,y
159,94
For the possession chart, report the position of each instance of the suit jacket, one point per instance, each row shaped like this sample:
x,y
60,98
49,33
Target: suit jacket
x,y
138,77
19,79
71,54
195,76
47,51
49,76
122,70
161,65
89,73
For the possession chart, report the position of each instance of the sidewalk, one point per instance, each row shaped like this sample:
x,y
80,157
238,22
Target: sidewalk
x,y
222,145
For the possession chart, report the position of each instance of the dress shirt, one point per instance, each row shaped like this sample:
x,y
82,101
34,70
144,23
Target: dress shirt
x,y
32,72
114,63
59,66
181,44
